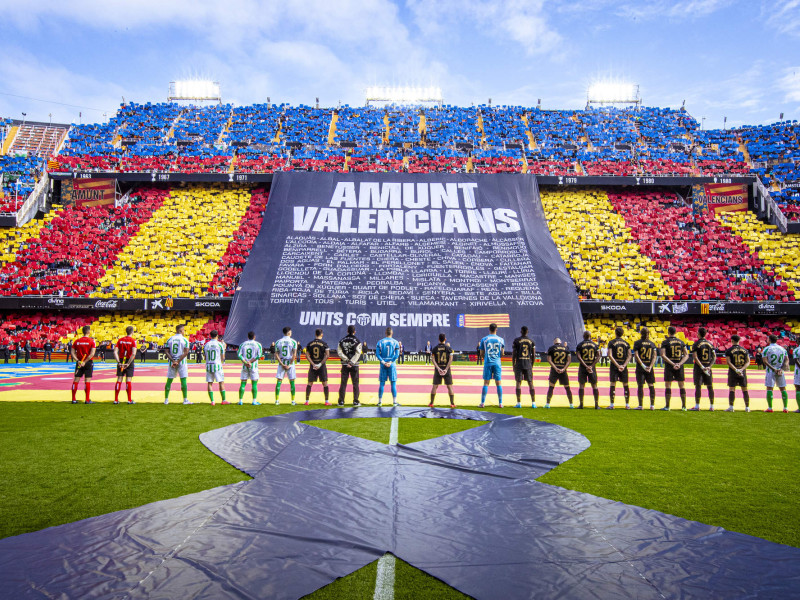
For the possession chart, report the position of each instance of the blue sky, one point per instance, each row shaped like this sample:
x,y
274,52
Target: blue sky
x,y
739,59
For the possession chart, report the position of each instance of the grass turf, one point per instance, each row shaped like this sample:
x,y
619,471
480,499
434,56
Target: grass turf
x,y
67,462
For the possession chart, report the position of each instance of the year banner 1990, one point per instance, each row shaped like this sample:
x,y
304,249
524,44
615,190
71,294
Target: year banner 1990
x,y
421,253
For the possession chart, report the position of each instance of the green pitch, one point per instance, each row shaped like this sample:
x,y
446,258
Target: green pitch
x,y
64,462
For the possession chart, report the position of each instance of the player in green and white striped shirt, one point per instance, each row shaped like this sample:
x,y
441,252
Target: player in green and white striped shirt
x,y
214,352
776,359
286,350
249,353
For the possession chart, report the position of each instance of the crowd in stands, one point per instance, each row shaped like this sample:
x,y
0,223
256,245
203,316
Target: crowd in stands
x,y
601,256
177,251
754,331
775,154
780,252
230,266
698,257
19,173
75,247
270,138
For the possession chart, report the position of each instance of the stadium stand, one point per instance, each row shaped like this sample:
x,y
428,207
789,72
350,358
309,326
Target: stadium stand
x,y
176,251
753,331
155,327
38,328
75,248
696,255
232,262
781,252
19,179
15,239
603,259
37,139
607,141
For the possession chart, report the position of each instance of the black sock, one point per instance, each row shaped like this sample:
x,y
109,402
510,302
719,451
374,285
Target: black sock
x,y
308,393
667,396
711,395
683,398
580,396
627,395
549,394
652,395
746,395
569,395
452,399
611,394
519,395
640,395
433,395
325,390
596,396
533,395
697,395
731,398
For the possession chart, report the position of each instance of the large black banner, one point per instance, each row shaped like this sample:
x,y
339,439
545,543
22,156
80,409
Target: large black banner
x,y
423,254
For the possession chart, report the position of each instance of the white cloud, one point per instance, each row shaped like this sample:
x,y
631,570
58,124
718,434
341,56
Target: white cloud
x,y
783,15
789,84
73,96
652,9
523,22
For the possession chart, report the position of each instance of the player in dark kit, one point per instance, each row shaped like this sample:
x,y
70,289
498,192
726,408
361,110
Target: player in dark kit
x,y
559,358
349,350
523,352
442,356
317,352
124,354
738,360
703,356
674,353
619,351
82,352
588,352
645,352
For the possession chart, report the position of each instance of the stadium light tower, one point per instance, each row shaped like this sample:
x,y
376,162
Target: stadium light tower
x,y
613,91
404,95
201,90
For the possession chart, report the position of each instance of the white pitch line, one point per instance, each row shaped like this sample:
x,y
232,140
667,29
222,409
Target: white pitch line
x,y
393,432
384,580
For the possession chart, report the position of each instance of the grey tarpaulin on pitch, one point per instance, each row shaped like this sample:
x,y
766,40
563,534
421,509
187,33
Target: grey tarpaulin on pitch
x,y
465,508
422,253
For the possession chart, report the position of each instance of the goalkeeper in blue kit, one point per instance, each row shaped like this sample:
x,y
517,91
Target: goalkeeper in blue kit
x,y
492,347
387,351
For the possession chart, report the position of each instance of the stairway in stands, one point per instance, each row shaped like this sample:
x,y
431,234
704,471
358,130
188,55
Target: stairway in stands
x,y
39,139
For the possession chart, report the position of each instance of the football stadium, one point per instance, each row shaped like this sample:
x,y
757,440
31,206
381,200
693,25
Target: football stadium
x,y
509,350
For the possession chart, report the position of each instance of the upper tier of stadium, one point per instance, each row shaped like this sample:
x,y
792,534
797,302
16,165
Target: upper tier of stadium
x,y
170,137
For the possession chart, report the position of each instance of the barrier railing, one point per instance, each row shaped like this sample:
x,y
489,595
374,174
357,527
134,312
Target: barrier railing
x,y
35,201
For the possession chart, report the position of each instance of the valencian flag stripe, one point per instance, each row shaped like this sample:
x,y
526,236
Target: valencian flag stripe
x,y
475,321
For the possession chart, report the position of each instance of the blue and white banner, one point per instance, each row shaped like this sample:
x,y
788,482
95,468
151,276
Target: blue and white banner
x,y
423,254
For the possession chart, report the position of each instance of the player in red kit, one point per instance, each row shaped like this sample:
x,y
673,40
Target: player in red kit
x,y
125,353
82,353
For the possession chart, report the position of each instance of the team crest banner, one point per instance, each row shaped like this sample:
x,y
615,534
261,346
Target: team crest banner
x,y
422,253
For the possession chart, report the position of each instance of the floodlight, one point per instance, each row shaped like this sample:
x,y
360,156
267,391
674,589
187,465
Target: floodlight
x,y
194,89
404,95
613,91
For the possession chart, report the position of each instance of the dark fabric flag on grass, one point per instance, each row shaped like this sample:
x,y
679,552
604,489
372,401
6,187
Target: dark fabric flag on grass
x,y
465,508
